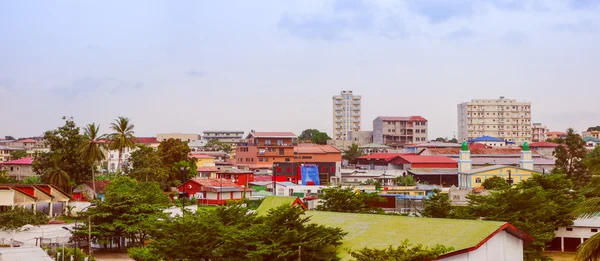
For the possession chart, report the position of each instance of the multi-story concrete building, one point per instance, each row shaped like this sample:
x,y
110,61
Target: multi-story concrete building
x,y
503,118
593,132
346,115
178,136
223,136
538,132
398,131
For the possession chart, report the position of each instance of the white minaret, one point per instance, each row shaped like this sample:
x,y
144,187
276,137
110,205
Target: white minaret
x,y
464,164
526,161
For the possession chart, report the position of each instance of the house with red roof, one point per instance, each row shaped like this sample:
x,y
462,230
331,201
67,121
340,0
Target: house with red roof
x,y
45,198
85,191
19,169
544,148
213,191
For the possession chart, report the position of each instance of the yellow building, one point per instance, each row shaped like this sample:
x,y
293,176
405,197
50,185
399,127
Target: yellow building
x,y
472,178
204,161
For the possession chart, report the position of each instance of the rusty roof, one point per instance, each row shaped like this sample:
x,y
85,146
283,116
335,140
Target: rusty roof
x,y
100,185
316,149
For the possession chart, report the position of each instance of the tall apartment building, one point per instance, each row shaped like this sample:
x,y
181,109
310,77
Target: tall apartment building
x,y
346,115
502,118
398,131
231,136
538,132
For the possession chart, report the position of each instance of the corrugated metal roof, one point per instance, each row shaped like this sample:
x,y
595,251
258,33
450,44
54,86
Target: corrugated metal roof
x,y
316,149
487,138
543,144
23,161
428,171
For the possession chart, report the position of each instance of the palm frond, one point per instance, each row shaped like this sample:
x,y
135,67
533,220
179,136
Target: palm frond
x,y
589,250
588,208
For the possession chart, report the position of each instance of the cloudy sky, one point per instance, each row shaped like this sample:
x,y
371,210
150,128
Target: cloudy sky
x,y
188,66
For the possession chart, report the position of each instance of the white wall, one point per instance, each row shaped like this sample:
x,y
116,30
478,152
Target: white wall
x,y
578,232
6,197
501,247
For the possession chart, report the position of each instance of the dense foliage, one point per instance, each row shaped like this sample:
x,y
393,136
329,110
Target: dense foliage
x,y
15,219
590,249
404,252
338,199
570,158
18,154
495,183
352,153
231,233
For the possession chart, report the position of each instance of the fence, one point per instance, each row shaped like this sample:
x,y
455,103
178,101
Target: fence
x,y
7,242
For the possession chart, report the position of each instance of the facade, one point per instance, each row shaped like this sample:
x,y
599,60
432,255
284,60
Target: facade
x,y
503,118
488,141
538,132
237,176
85,191
19,169
591,142
555,135
203,160
544,148
317,153
346,115
178,136
47,199
569,238
472,178
262,149
329,172
593,132
5,152
213,191
356,137
399,131
232,137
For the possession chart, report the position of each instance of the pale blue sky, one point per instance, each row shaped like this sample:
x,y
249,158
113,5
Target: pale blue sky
x,y
188,66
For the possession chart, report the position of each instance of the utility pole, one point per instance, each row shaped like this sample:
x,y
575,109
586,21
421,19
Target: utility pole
x,y
299,253
90,237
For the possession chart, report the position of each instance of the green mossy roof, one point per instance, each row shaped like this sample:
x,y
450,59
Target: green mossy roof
x,y
272,202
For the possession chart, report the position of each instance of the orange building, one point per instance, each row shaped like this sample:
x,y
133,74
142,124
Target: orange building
x,y
265,148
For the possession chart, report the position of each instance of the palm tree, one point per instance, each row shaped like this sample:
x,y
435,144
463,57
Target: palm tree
x,y
56,176
122,137
90,151
352,153
590,208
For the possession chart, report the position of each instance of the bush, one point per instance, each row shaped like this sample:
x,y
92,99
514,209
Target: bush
x,y
141,254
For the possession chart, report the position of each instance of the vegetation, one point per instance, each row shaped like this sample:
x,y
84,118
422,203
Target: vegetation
x,y
338,199
352,153
589,208
405,181
121,138
231,233
4,178
62,165
320,138
18,154
592,161
32,180
404,252
495,183
90,150
308,134
146,165
14,219
570,158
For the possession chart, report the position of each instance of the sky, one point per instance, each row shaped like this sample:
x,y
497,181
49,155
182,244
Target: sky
x,y
189,66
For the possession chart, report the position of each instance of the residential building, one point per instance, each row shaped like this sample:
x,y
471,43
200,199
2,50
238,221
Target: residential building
x,y
503,118
178,136
214,191
356,137
5,152
203,160
555,134
45,198
538,132
544,148
591,142
112,156
85,191
471,178
237,176
19,169
373,148
262,149
569,238
317,153
470,240
329,172
593,132
226,136
346,115
399,131
489,141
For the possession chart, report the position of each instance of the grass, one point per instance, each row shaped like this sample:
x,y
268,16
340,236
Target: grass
x,y
381,231
561,256
272,202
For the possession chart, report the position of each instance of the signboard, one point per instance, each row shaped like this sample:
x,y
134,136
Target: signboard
x,y
310,175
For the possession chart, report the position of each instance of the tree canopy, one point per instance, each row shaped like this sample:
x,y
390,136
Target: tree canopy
x,y
352,153
18,154
320,138
404,252
339,199
570,158
15,219
495,183
308,134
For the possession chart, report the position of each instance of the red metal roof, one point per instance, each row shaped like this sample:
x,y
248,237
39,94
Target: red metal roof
x,y
263,178
477,146
27,140
23,161
424,159
100,185
476,151
396,118
543,144
272,134
145,140
316,149
215,182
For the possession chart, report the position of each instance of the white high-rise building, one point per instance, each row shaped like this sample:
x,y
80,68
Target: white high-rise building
x,y
502,118
346,115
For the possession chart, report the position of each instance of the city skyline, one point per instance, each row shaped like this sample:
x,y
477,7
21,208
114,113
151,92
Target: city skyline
x,y
188,66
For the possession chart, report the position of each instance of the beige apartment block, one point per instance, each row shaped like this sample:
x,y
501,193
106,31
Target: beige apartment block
x,y
178,136
399,131
503,118
346,115
538,132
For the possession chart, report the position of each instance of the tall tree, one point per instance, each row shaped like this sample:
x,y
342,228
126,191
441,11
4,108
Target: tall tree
x,y
4,178
64,143
55,175
18,154
440,139
307,134
352,153
213,145
121,138
589,208
175,155
146,165
592,161
570,158
338,199
320,138
14,219
9,137
90,150
453,140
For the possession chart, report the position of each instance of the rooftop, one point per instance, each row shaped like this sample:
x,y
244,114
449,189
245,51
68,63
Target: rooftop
x,y
478,151
486,139
201,156
100,185
145,140
22,161
543,144
316,149
8,148
272,202
396,118
586,139
412,159
27,140
383,156
436,171
374,146
438,145
272,135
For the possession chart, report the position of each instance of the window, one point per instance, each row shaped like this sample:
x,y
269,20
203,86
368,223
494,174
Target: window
x,y
267,142
281,151
594,230
266,159
478,180
569,229
279,142
287,159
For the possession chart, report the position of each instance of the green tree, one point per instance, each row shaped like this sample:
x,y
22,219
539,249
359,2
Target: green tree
x,y
453,140
570,158
440,139
308,134
55,175
175,154
4,178
405,181
64,143
352,153
592,161
404,252
18,154
437,206
495,183
320,138
121,138
32,180
339,199
14,219
589,208
146,165
213,145
227,148
90,150
9,137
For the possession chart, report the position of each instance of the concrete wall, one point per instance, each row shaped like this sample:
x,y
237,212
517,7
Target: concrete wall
x,y
501,247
